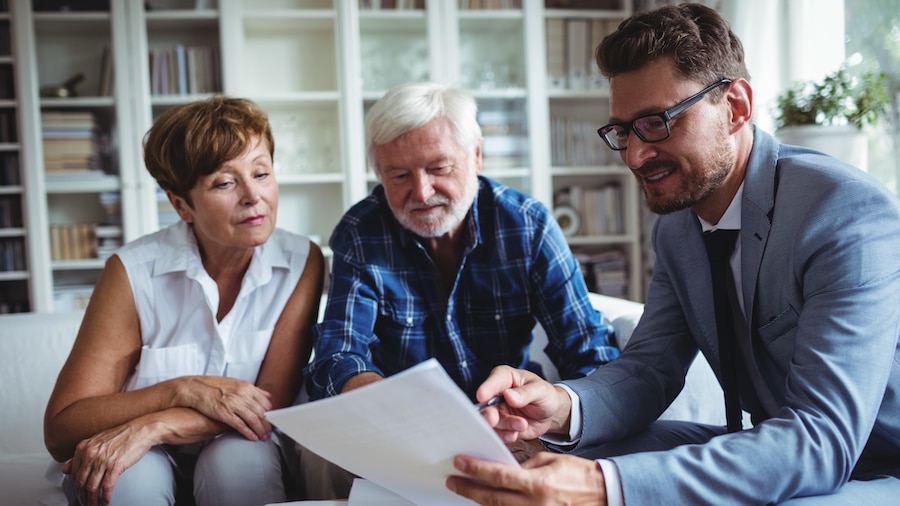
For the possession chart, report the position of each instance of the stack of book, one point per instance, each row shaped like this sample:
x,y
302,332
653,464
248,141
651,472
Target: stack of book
x,y
69,143
71,297
166,214
505,137
571,43
112,207
75,241
12,254
9,169
8,126
109,240
184,70
10,211
599,208
574,143
605,272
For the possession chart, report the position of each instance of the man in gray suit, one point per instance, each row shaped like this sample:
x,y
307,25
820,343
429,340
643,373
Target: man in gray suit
x,y
814,292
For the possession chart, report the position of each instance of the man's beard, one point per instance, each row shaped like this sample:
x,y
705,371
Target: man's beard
x,y
435,226
694,186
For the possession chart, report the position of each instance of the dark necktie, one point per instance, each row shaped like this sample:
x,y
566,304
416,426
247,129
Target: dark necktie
x,y
719,245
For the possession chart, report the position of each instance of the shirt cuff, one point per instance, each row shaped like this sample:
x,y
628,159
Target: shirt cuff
x,y
574,435
614,494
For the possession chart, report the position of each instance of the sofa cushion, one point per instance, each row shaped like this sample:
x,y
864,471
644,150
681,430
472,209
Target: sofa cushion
x,y
22,481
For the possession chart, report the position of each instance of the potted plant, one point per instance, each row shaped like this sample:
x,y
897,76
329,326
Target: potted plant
x,y
830,115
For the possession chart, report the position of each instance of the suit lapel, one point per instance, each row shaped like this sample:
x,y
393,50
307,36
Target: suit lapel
x,y
699,279
756,209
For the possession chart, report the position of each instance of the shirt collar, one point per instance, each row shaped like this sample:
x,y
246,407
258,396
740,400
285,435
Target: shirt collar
x,y
731,220
184,256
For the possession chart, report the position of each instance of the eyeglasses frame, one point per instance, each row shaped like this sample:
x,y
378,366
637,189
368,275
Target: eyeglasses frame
x,y
665,116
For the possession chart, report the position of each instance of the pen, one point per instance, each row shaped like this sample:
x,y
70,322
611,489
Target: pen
x,y
493,401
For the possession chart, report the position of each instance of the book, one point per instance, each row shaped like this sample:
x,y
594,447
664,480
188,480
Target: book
x,y
556,54
577,52
181,72
105,87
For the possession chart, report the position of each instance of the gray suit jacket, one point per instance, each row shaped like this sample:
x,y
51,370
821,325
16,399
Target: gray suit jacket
x,y
820,265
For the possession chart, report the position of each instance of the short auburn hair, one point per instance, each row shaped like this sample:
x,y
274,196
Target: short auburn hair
x,y
194,139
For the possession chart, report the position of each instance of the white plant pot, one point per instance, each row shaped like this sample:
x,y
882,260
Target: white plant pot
x,y
845,142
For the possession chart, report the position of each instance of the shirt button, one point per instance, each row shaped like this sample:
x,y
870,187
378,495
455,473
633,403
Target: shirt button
x,y
409,320
497,317
464,364
449,318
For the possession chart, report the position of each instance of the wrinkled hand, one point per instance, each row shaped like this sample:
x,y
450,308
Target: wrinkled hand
x,y
100,460
239,404
532,406
547,478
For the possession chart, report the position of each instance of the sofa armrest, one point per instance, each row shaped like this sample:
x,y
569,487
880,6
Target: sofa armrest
x,y
33,348
701,399
622,314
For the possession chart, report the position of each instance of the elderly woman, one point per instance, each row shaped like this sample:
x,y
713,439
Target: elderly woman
x,y
192,332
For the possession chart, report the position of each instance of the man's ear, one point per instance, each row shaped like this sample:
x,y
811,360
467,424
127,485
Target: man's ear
x,y
477,160
739,97
184,210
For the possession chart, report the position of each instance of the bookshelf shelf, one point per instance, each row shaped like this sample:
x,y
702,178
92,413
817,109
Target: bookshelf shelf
x,y
105,184
396,19
611,14
12,232
182,18
78,265
71,22
480,18
169,100
304,179
86,102
13,275
578,95
593,170
286,99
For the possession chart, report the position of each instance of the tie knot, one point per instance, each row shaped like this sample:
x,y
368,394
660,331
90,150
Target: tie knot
x,y
720,243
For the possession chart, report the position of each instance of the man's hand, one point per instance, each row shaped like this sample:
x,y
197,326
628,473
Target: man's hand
x,y
239,404
524,449
547,478
532,406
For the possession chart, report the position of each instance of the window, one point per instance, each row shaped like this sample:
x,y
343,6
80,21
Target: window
x,y
872,43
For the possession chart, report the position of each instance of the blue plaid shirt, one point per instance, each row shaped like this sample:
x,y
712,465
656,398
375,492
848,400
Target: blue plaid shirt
x,y
388,308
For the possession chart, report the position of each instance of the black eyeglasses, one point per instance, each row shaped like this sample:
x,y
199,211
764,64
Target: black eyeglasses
x,y
652,128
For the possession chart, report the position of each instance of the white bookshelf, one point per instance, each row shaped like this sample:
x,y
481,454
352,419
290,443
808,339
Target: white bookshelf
x,y
315,66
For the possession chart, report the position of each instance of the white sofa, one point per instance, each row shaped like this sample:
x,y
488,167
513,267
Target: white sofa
x,y
34,346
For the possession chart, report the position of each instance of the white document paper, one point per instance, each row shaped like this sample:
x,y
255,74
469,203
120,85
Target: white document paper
x,y
367,493
401,433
